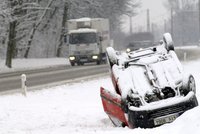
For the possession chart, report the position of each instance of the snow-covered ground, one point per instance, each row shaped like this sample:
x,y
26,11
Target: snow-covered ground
x,y
76,108
22,64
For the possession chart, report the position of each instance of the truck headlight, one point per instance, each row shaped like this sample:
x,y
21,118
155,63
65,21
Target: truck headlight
x,y
128,50
72,58
95,57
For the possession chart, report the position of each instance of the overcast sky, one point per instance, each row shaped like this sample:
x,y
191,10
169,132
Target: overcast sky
x,y
157,14
155,6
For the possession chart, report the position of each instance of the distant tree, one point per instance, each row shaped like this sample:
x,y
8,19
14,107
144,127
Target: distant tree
x,y
110,9
8,16
35,26
64,19
3,27
21,17
40,24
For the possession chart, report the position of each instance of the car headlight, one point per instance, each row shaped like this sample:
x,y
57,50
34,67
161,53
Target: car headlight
x,y
128,50
72,58
95,57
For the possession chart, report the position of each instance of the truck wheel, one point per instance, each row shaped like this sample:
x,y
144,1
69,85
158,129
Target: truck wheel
x,y
188,84
98,62
72,63
80,63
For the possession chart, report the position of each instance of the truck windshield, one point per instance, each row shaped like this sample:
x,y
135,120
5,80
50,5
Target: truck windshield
x,y
78,38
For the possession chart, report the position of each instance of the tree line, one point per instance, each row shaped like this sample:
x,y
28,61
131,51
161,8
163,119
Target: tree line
x,y
35,28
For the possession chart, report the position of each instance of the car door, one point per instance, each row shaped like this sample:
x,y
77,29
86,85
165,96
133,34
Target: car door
x,y
112,106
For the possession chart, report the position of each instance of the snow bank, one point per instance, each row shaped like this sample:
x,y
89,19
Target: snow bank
x,y
22,64
66,109
76,109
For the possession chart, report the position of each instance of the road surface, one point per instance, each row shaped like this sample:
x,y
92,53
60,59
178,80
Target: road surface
x,y
36,78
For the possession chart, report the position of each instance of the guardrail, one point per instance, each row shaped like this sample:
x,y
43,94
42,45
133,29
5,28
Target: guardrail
x,y
188,52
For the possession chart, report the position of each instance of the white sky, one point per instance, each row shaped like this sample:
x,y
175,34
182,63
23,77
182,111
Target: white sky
x,y
157,14
155,6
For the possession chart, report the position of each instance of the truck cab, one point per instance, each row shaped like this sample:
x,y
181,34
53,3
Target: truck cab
x,y
87,40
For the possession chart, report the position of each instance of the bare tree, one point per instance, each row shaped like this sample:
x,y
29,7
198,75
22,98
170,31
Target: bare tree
x,y
20,15
64,19
35,28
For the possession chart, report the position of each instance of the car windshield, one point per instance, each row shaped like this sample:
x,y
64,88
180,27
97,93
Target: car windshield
x,y
78,38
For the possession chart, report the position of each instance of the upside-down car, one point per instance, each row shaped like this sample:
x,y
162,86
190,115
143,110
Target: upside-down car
x,y
150,87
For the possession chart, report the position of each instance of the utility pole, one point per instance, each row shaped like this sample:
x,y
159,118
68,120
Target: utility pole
x,y
165,26
172,27
199,18
131,26
148,21
153,28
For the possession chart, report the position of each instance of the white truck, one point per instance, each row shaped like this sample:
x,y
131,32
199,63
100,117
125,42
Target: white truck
x,y
87,40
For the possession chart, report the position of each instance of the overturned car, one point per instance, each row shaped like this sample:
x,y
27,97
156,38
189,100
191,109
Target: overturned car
x,y
150,87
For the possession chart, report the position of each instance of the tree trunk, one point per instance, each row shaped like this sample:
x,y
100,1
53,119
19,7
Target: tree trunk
x,y
29,42
65,12
35,28
11,44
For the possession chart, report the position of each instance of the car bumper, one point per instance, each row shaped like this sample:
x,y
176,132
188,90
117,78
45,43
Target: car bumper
x,y
148,117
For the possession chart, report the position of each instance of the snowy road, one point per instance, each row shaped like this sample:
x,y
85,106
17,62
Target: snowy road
x,y
76,108
45,77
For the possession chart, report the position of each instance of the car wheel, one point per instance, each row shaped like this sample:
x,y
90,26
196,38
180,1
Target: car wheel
x,y
188,84
169,45
111,55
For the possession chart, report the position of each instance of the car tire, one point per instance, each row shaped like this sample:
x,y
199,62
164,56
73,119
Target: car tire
x,y
188,84
169,45
111,55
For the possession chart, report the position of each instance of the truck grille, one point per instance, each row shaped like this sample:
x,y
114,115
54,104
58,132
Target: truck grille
x,y
83,52
83,57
